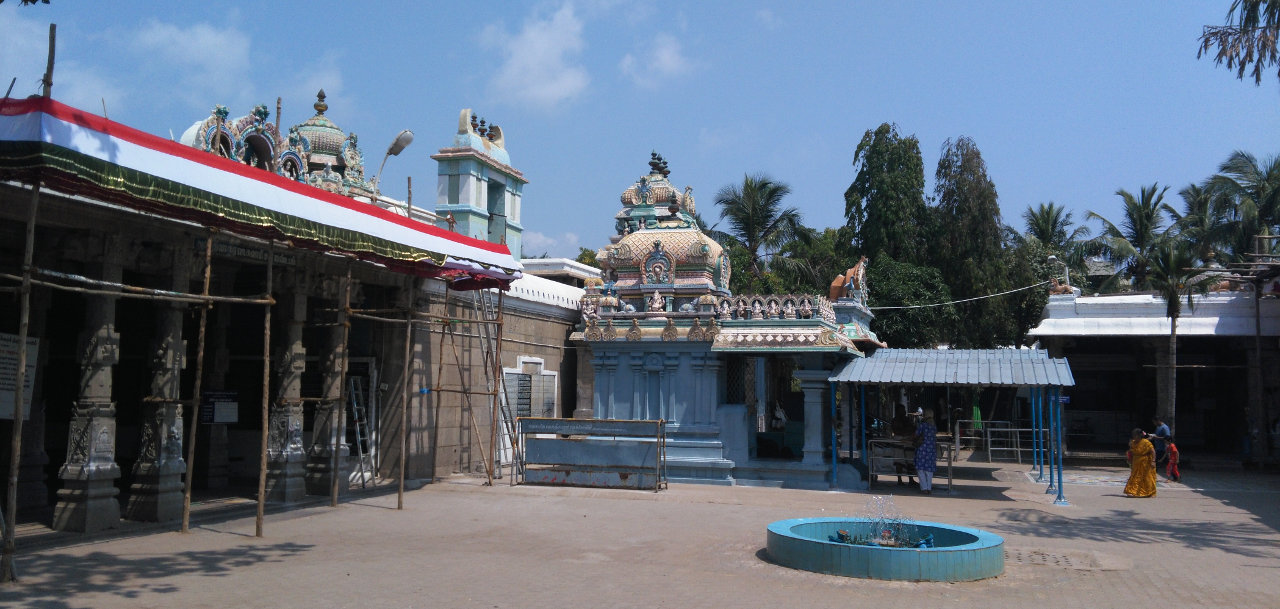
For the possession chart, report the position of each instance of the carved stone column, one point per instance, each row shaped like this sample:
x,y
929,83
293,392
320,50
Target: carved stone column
x,y
330,426
286,460
156,492
87,501
814,384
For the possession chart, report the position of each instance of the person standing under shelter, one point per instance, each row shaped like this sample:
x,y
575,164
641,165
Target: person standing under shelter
x,y
1142,466
926,441
1160,437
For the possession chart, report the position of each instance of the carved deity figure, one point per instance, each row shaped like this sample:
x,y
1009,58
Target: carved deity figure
x,y
657,302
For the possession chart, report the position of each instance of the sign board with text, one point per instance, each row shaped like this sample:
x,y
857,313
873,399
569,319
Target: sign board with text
x,y
9,374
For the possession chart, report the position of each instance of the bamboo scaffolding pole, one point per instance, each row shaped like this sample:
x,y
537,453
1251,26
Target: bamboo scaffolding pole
x,y
135,291
266,394
471,411
426,316
497,384
7,571
197,387
404,407
339,411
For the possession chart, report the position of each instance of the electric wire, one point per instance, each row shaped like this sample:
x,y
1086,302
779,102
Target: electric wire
x,y
943,304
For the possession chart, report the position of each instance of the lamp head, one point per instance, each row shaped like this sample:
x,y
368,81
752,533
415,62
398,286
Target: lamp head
x,y
402,141
1052,258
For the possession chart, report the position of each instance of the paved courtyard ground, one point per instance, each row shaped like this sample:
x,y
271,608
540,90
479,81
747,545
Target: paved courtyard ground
x,y
1211,542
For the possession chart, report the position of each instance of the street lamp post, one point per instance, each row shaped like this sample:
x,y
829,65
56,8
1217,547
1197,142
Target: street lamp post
x,y
402,141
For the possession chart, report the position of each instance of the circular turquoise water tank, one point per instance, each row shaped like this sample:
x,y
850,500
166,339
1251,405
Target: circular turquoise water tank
x,y
959,553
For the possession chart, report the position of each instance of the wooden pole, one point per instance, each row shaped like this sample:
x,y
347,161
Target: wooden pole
x,y
339,409
266,391
404,408
7,573
48,67
497,387
196,388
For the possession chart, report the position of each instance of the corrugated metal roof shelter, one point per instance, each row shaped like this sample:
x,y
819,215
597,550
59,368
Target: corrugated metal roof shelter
x,y
967,367
1012,368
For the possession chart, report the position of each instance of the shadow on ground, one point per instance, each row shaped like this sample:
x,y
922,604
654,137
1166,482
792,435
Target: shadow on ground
x,y
56,581
1252,539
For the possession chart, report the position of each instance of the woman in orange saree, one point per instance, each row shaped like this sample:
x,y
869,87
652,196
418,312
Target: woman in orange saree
x,y
1142,467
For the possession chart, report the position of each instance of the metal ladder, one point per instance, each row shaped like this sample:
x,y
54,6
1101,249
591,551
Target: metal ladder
x,y
360,416
482,300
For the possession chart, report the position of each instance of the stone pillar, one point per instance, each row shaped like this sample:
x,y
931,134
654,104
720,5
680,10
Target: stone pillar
x,y
585,378
330,423
286,460
87,500
814,384
156,493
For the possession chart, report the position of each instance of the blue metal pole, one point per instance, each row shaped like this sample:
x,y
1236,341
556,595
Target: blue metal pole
x,y
1040,439
863,453
1035,428
835,447
1053,444
1061,500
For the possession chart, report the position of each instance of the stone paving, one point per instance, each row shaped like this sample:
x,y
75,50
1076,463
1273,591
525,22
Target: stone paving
x,y
1211,542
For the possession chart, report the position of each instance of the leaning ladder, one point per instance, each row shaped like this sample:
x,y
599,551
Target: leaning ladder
x,y
359,414
482,300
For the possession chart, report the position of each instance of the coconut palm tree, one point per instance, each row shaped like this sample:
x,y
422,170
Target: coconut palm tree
x,y
1249,38
1131,244
1050,224
1205,222
1254,189
1174,275
757,220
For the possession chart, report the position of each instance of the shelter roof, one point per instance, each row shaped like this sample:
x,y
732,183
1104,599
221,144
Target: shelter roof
x,y
76,152
972,367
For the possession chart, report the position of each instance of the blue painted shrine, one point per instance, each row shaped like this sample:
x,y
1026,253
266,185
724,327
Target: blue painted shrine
x,y
742,380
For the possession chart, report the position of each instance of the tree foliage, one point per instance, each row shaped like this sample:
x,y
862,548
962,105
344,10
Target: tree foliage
x,y
904,284
587,256
884,206
759,223
1247,43
1131,244
969,244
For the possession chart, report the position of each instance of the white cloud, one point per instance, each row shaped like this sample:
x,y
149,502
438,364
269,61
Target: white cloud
x,y
535,243
203,62
541,67
767,18
664,60
23,50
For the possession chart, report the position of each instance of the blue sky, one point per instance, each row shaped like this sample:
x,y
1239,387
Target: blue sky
x,y
1067,101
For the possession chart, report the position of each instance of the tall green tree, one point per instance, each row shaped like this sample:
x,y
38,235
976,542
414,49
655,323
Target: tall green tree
x,y
1247,43
1174,277
1131,244
885,206
1205,223
758,223
1050,224
902,284
1253,187
969,248
808,265
587,256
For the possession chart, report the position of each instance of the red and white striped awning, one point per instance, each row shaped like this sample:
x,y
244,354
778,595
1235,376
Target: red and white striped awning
x,y
76,152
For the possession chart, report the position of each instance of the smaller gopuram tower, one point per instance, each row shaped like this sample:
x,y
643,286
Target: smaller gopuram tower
x,y
478,189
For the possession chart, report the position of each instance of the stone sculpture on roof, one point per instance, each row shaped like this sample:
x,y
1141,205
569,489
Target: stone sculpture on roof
x,y
315,152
